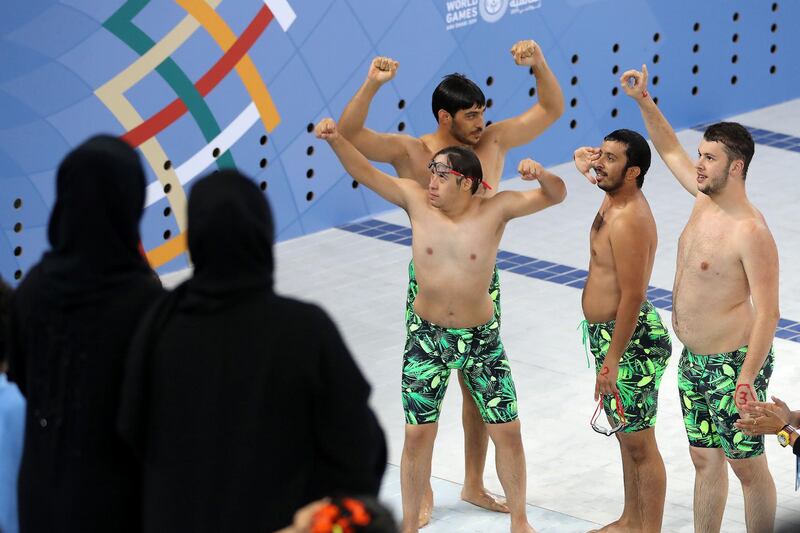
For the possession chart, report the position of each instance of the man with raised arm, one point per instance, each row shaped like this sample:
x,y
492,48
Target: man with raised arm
x,y
631,346
725,311
458,105
456,234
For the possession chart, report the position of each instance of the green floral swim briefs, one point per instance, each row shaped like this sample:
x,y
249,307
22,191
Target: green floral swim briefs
x,y
707,384
432,352
640,368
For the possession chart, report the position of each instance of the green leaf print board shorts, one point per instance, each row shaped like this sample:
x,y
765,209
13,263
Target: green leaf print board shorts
x,y
433,351
640,368
426,375
707,384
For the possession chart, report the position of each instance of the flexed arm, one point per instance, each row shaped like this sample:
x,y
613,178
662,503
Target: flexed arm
x,y
354,162
524,128
634,83
516,204
383,147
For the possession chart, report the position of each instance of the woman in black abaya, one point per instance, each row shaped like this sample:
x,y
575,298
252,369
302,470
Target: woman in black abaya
x,y
243,405
72,318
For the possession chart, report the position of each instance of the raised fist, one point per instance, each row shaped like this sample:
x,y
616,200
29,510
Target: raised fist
x,y
634,83
382,69
326,130
526,53
530,170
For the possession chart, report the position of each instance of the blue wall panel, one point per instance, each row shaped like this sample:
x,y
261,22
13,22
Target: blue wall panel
x,y
711,59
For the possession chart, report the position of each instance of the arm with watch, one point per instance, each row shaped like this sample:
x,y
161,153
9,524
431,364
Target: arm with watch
x,y
787,436
773,419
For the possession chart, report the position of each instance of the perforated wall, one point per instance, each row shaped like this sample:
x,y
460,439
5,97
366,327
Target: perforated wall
x,y
203,84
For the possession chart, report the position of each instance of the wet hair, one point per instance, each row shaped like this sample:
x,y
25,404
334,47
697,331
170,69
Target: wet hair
x,y
360,515
454,93
736,139
463,160
637,151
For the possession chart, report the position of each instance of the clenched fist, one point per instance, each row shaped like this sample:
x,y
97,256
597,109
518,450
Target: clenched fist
x,y
382,69
530,170
526,53
326,130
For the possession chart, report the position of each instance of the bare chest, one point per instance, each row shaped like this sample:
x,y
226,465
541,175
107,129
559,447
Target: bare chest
x,y
464,246
599,243
415,165
707,251
492,161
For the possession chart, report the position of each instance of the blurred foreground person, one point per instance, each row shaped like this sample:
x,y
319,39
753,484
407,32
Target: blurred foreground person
x,y
243,405
72,319
12,427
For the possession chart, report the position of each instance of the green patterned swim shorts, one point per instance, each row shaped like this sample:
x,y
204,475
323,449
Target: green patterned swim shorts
x,y
707,384
433,351
640,368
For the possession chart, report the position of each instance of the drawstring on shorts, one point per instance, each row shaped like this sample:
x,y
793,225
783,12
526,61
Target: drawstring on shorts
x,y
584,327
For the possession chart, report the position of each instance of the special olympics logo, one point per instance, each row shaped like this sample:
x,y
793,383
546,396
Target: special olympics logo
x,y
492,10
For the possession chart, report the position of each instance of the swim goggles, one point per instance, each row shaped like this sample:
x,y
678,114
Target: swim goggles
x,y
441,170
621,422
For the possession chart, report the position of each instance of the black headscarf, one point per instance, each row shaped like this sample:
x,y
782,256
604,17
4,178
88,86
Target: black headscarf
x,y
94,226
223,205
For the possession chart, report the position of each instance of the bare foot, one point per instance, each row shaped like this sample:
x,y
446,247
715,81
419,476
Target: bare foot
x,y
485,500
426,508
522,528
617,526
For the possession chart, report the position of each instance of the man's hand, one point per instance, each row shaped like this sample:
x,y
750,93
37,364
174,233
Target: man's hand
x,y
526,53
606,383
585,158
744,394
634,83
530,170
382,69
326,130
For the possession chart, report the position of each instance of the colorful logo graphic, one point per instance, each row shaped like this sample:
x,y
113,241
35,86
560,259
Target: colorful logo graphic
x,y
156,57
462,13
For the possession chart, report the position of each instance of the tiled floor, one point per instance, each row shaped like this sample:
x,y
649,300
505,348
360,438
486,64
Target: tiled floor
x,y
574,474
453,514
